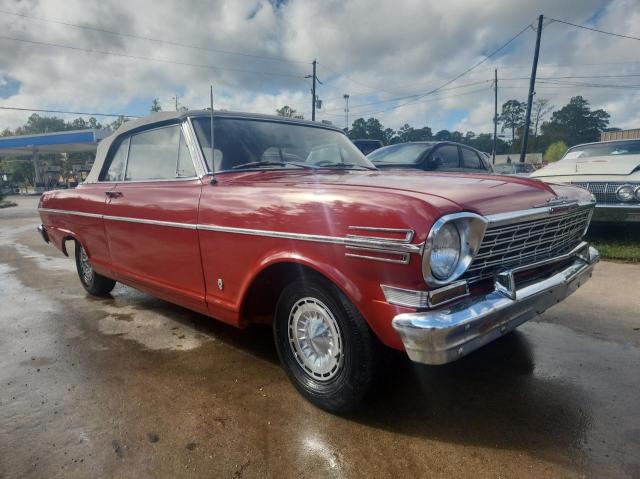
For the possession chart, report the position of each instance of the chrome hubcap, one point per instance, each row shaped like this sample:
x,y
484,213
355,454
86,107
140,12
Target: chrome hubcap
x,y
314,338
85,267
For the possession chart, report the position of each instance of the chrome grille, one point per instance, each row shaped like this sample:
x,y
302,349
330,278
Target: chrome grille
x,y
603,191
527,242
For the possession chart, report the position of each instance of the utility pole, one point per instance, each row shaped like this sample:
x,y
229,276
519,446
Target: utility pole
x,y
176,99
313,93
532,85
495,115
346,111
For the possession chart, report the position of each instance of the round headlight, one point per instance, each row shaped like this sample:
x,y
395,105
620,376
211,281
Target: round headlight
x,y
638,193
445,251
625,193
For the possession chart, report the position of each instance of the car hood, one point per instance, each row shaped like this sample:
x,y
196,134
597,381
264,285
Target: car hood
x,y
595,165
484,194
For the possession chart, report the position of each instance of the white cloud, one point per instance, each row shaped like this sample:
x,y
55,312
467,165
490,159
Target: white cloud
x,y
374,51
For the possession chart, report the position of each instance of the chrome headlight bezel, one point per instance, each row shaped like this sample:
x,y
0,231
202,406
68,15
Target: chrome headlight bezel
x,y
471,228
630,190
636,193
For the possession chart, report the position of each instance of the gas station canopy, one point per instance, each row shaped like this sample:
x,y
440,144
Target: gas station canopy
x,y
72,141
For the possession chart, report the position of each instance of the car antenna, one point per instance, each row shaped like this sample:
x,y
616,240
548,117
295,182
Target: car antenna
x,y
214,180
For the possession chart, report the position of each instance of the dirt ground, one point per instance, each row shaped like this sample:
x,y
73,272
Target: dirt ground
x,y
131,386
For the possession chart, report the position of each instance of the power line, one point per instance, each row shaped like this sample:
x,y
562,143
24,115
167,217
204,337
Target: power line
x,y
137,57
150,39
620,35
576,77
84,113
426,100
416,95
487,57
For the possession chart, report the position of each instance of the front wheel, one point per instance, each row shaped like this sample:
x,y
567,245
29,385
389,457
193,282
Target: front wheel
x,y
326,347
93,282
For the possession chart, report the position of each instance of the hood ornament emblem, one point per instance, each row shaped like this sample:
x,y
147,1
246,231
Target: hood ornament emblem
x,y
559,204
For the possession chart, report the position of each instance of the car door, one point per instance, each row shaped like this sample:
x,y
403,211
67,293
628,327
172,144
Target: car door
x,y
151,217
443,158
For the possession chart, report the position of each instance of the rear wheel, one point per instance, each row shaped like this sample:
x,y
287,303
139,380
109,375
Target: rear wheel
x,y
325,346
93,282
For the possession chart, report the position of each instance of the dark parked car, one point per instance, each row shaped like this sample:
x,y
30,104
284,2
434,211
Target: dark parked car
x,y
367,146
431,156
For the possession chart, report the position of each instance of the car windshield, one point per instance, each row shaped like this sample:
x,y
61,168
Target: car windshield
x,y
263,144
406,154
612,148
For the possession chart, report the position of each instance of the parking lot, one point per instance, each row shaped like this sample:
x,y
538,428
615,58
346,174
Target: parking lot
x,y
132,386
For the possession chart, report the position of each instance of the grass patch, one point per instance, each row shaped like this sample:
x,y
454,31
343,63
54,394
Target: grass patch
x,y
621,242
7,204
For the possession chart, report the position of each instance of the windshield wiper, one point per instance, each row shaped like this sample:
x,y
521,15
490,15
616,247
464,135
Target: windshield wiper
x,y
350,166
253,164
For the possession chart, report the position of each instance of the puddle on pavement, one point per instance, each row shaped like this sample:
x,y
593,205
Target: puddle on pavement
x,y
9,236
151,329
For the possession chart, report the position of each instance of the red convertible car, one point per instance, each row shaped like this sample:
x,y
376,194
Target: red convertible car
x,y
248,218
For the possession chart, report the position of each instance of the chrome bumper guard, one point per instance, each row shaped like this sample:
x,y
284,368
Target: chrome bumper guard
x,y
43,232
444,335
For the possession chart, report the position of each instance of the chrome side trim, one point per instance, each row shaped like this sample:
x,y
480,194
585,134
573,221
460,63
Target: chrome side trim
x,y
169,224
385,246
502,219
408,234
361,243
402,259
65,212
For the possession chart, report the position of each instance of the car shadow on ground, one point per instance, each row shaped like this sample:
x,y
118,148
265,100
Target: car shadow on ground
x,y
491,398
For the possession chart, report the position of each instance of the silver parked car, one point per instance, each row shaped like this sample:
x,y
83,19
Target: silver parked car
x,y
610,170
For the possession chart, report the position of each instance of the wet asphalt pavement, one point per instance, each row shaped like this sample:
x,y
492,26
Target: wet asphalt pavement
x,y
131,386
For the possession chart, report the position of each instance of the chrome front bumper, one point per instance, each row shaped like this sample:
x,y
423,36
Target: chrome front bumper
x,y
444,335
629,213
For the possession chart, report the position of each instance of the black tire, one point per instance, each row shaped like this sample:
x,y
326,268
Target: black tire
x,y
94,283
360,356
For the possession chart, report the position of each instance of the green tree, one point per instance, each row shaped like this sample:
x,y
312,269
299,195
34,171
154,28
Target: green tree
x,y
443,135
372,129
288,112
155,106
512,117
358,129
576,123
555,151
541,108
408,133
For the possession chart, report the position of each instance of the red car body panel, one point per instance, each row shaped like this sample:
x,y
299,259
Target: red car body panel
x,y
184,265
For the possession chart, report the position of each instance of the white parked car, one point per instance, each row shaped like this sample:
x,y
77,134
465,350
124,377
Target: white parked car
x,y
610,170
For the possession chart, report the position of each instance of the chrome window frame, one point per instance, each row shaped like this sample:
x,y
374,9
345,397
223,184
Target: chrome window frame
x,y
187,134
286,121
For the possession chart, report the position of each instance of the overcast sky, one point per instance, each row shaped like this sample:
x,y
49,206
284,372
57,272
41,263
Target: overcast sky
x,y
256,53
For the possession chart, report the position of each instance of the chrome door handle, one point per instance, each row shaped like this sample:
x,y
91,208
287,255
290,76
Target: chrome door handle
x,y
113,194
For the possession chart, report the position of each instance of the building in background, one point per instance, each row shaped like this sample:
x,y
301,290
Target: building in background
x,y
620,135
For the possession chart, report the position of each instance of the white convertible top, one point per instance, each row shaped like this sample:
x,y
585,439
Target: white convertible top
x,y
177,116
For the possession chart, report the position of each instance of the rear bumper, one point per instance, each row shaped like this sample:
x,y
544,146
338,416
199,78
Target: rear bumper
x,y
616,213
43,232
444,335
